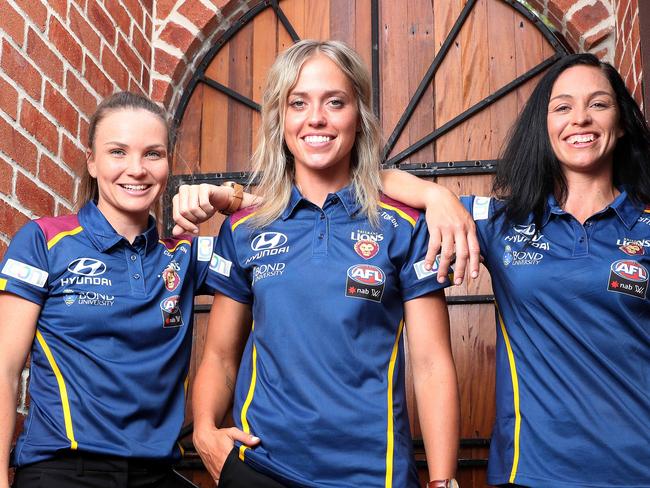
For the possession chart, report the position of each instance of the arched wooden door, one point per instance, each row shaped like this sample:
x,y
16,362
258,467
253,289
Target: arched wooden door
x,y
450,77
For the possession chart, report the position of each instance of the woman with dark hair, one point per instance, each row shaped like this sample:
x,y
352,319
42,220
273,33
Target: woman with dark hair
x,y
567,244
104,308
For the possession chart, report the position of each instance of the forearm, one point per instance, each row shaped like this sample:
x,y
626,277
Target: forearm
x,y
8,397
411,190
213,390
439,415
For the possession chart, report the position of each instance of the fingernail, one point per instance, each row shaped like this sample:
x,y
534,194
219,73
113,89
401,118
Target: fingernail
x,y
474,274
441,279
254,439
427,266
458,281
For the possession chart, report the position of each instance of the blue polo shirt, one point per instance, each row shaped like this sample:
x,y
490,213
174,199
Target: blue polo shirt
x,y
321,380
573,346
110,358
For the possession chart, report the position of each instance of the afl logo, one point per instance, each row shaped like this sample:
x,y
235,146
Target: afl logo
x,y
87,267
366,274
630,270
268,240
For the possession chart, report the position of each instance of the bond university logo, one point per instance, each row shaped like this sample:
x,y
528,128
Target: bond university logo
x,y
628,277
365,281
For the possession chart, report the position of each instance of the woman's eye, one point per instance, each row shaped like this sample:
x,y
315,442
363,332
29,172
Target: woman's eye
x,y
562,108
117,152
297,104
153,155
336,103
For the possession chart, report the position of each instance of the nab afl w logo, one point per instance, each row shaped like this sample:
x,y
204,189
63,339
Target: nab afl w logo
x,y
268,240
87,267
365,281
628,277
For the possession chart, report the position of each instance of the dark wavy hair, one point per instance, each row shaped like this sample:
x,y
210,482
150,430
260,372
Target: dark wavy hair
x,y
529,171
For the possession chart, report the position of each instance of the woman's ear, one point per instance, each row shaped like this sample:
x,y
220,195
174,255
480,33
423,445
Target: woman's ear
x,y
90,163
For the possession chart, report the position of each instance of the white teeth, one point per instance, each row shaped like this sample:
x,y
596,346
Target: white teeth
x,y
135,187
581,138
317,139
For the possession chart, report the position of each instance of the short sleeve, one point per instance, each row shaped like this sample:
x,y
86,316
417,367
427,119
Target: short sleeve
x,y
415,279
225,275
24,268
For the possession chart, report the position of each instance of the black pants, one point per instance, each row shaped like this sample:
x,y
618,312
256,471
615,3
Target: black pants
x,y
84,470
237,474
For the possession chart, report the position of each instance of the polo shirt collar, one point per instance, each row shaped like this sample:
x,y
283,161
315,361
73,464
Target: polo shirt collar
x,y
627,210
346,195
102,234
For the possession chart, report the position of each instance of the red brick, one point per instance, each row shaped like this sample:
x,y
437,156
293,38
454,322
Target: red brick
x,y
618,55
66,44
37,125
101,21
146,79
597,38
61,109
587,18
164,8
626,26
6,177
559,7
16,67
79,95
83,131
166,64
3,249
638,63
44,57
33,197
602,53
57,179
161,92
121,16
62,209
148,28
72,156
135,87
148,5
8,99
135,11
59,6
198,14
12,22
17,147
114,68
86,34
98,80
142,45
626,64
129,58
11,219
35,10
177,36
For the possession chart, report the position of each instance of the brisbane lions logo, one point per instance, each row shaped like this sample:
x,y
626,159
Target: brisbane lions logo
x,y
366,248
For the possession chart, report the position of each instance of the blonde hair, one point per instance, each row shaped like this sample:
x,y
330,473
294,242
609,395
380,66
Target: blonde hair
x,y
88,189
273,165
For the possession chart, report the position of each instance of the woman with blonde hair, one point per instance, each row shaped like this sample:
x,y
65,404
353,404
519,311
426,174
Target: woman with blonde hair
x,y
329,271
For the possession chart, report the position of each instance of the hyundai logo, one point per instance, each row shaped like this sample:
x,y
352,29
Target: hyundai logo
x,y
268,240
87,267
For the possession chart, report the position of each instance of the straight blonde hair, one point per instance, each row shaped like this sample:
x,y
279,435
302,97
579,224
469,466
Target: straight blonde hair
x,y
273,164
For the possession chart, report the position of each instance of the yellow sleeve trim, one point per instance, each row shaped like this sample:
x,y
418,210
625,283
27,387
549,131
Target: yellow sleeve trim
x,y
401,213
249,399
390,434
3,284
62,389
515,393
241,221
51,243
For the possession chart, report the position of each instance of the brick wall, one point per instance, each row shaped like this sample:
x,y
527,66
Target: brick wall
x,y
628,49
58,58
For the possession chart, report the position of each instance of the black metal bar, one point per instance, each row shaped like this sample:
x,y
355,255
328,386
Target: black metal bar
x,y
474,109
374,34
231,93
285,21
554,37
209,56
431,72
450,168
470,299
